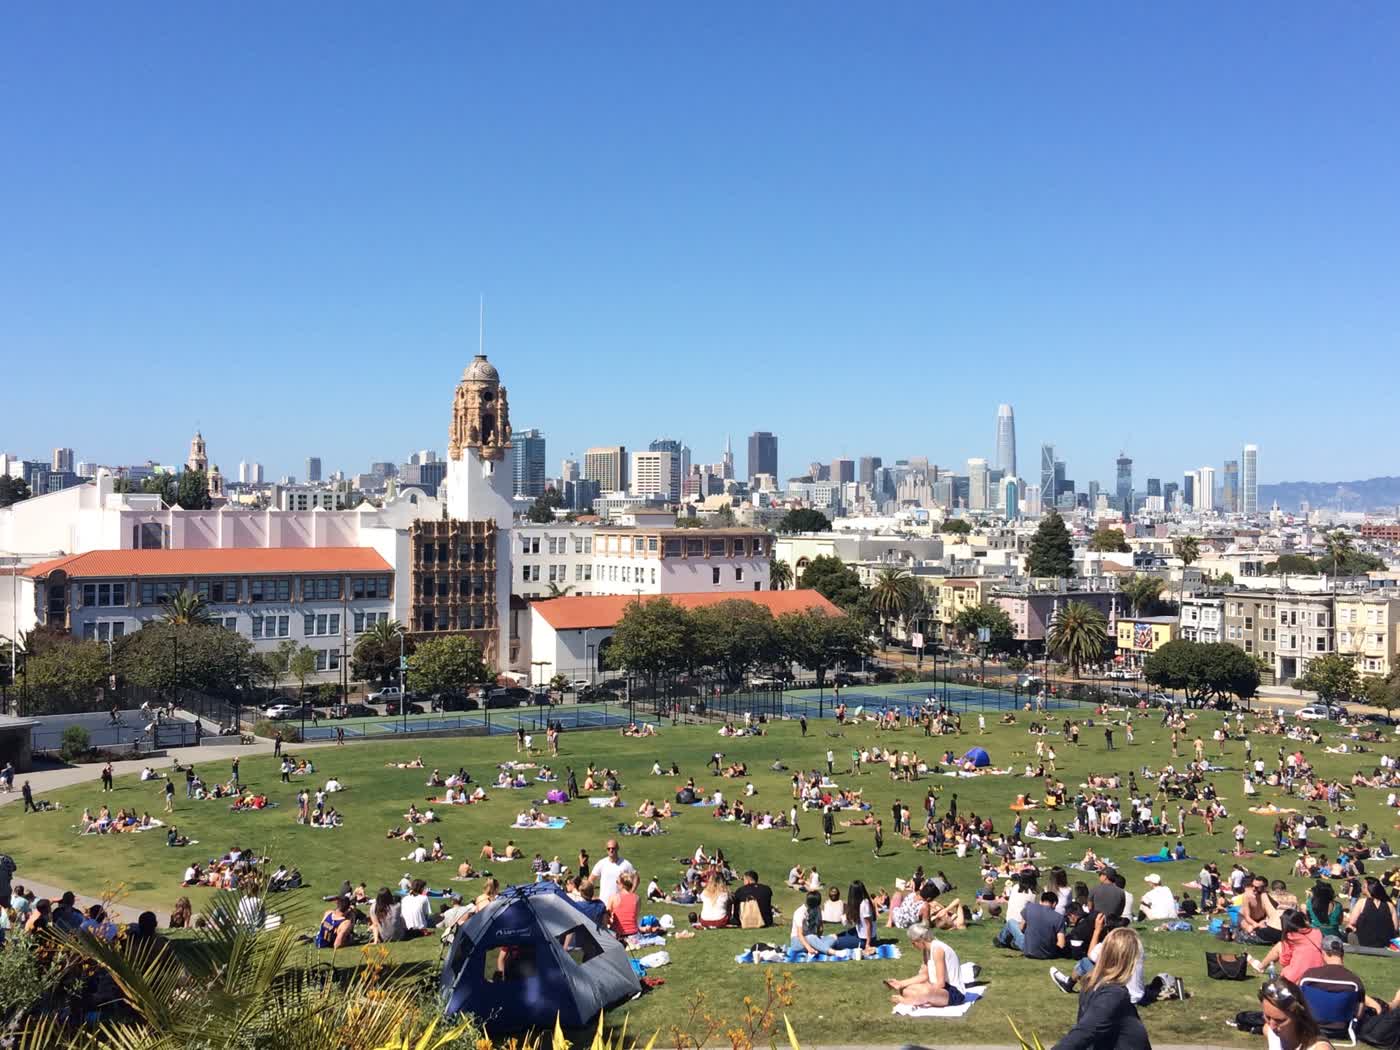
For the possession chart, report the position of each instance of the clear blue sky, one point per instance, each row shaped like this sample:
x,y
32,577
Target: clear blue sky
x,y
1171,228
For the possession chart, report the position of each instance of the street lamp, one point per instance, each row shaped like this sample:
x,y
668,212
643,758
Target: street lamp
x,y
403,693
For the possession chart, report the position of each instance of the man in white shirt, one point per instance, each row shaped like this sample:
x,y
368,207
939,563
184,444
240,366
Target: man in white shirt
x,y
607,871
417,907
1158,903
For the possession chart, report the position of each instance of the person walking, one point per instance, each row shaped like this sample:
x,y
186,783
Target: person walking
x,y
1108,736
169,795
277,745
28,794
879,838
107,777
234,770
828,823
189,781
897,812
792,820
803,723
830,762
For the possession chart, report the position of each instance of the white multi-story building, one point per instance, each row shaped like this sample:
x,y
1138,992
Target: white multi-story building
x,y
1305,632
1205,489
1249,481
1202,618
654,474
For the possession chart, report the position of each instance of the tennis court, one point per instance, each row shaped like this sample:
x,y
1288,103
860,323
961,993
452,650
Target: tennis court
x,y
495,722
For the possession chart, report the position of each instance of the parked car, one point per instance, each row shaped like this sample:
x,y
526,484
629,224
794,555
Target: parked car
x,y
352,711
1319,712
454,702
396,706
507,696
579,683
388,692
278,712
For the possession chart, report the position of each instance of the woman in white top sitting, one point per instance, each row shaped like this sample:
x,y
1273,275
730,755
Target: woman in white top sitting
x,y
939,980
714,905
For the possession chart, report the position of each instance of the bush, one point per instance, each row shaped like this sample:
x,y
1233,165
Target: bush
x,y
1016,664
266,727
76,744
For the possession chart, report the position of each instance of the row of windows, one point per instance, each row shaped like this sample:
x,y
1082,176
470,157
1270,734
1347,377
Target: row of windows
x,y
327,659
429,552
364,620
1360,638
1374,617
272,626
228,589
466,619
320,624
472,585
104,631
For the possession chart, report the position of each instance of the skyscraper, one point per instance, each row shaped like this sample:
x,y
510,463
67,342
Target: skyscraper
x,y
1188,489
607,465
568,470
1006,441
313,468
653,474
869,466
1047,476
63,460
1205,488
1154,486
843,471
1230,487
1124,489
680,463
726,463
763,454
977,480
527,462
1249,480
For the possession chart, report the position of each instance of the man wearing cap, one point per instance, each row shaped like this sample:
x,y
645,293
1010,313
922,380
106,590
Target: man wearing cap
x,y
1108,898
1333,969
1158,904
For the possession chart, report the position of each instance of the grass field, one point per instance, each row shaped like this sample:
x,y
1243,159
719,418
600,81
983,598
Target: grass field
x,y
834,1003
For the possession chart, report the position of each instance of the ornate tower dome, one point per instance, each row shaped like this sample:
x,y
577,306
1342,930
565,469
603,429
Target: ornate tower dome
x,y
480,413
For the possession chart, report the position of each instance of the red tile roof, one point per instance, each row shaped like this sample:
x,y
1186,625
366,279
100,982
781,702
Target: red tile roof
x,y
214,562
577,613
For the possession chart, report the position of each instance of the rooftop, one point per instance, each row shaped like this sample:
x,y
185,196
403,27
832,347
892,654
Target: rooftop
x,y
576,614
213,562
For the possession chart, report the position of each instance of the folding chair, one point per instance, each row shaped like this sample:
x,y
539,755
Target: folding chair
x,y
1333,1005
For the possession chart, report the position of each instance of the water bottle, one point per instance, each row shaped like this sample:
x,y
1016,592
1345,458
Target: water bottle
x,y
1272,971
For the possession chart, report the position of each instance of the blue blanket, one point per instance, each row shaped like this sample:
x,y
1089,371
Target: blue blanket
x,y
1154,858
882,951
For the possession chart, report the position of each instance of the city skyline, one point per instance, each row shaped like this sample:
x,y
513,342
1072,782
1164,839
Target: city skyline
x,y
1053,209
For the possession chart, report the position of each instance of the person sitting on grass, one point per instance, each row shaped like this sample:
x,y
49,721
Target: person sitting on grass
x,y
386,919
1107,1017
337,925
939,980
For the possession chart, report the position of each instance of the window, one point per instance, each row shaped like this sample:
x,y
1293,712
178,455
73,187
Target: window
x,y
104,595
578,573
588,545
370,587
524,574
364,620
627,574
740,547
715,571
694,548
535,574
270,589
588,572
327,659
221,590
553,545
639,543
524,544
673,548
717,548
535,545
425,553
738,574
157,592
653,543
272,626
1322,619
230,623
314,624
320,588
653,575
1248,645
1249,623
1322,644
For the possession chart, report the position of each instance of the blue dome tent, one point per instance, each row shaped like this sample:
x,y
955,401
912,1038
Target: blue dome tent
x,y
977,756
530,955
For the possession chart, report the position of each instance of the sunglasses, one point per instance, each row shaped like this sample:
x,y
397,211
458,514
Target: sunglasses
x,y
1277,992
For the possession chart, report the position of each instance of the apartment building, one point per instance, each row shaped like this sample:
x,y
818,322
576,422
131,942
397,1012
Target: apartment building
x,y
1202,618
1251,624
1368,628
1305,632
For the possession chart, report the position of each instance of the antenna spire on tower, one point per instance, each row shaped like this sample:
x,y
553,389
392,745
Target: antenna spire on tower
x,y
481,325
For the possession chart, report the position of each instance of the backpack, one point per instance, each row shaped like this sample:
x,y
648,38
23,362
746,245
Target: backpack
x,y
1380,1030
750,916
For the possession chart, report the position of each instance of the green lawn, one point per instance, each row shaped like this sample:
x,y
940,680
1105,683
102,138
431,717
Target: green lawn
x,y
835,1003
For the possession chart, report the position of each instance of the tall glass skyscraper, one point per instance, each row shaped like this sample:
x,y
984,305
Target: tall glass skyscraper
x,y
1006,441
1124,489
1249,480
1047,476
527,467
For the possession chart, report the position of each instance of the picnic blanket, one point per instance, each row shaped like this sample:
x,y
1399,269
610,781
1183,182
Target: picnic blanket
x,y
784,955
602,803
552,824
906,1010
1049,838
1153,858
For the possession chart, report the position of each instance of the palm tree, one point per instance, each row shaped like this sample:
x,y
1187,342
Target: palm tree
x,y
555,591
1079,635
1339,549
1188,549
1141,591
779,575
184,609
385,632
889,597
232,984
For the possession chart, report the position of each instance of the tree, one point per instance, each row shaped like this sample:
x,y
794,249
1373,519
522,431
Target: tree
x,y
724,517
994,618
1332,677
1142,592
1079,635
198,656
162,485
804,519
302,665
13,490
192,491
275,664
1051,553
891,594
1291,565
653,640
1384,692
376,657
1339,547
779,575
1105,539
830,577
186,607
1188,549
556,591
448,664
1203,670
820,641
541,512
71,669
956,527
733,637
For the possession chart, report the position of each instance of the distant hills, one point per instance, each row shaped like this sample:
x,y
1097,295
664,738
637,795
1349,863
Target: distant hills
x,y
1374,494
